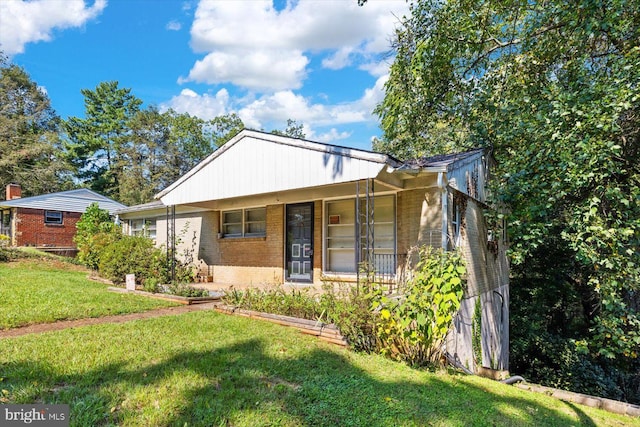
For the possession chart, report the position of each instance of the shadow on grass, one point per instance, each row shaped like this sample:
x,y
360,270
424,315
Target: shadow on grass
x,y
243,385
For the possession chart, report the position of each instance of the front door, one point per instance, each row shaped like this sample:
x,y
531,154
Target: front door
x,y
299,240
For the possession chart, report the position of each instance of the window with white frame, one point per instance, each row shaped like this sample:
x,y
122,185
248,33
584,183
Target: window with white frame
x,y
143,227
250,222
53,217
341,231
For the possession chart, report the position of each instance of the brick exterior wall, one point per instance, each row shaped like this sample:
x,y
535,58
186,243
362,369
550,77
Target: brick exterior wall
x,y
254,260
265,251
419,215
32,231
245,260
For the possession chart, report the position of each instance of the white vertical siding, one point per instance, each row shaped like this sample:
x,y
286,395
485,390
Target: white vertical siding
x,y
469,176
258,166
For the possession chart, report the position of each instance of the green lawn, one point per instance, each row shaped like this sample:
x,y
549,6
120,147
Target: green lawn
x,y
45,290
209,369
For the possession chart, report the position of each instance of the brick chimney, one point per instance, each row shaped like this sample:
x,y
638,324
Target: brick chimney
x,y
14,191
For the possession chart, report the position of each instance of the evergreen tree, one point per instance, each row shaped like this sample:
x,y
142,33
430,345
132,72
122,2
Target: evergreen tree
x,y
29,135
95,142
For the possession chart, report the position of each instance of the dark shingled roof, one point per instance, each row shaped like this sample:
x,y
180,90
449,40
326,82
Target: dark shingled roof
x,y
441,160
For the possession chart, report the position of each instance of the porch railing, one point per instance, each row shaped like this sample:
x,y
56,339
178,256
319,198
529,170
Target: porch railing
x,y
388,270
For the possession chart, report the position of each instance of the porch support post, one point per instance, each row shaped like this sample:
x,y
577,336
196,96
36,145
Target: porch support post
x,y
444,197
171,240
357,234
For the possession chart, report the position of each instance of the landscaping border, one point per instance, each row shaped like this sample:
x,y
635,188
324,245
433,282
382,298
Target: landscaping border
x,y
327,332
167,297
609,405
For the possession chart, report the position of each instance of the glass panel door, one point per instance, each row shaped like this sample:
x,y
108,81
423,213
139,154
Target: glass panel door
x,y
299,229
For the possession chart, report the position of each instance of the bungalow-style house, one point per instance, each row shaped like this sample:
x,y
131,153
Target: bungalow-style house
x,y
270,209
47,221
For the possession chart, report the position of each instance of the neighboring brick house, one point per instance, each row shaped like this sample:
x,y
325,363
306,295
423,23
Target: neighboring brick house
x,y
48,220
268,209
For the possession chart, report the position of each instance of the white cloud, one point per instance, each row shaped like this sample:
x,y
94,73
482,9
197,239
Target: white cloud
x,y
278,69
173,26
27,22
340,59
252,45
373,96
331,136
272,111
205,106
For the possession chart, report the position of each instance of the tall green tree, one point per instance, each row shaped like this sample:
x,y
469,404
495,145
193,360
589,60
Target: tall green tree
x,y
143,156
95,141
293,129
160,149
554,88
223,128
29,135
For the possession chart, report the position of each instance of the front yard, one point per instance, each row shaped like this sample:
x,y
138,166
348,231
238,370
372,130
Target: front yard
x,y
204,368
45,290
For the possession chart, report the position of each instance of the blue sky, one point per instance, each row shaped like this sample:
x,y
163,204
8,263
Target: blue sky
x,y
322,63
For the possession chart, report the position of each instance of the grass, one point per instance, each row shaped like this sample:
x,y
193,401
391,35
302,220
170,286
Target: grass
x,y
47,289
204,368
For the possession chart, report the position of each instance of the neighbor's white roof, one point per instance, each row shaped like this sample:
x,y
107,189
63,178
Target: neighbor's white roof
x,y
257,163
67,201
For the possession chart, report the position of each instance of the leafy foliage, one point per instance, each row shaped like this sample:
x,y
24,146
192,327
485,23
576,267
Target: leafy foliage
x,y
94,231
161,148
29,135
340,304
349,308
129,153
553,87
293,129
133,255
410,326
296,303
413,325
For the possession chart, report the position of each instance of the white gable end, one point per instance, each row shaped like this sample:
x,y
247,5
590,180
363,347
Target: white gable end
x,y
257,163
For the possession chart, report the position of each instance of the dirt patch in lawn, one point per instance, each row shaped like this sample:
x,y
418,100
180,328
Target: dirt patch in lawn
x,y
65,324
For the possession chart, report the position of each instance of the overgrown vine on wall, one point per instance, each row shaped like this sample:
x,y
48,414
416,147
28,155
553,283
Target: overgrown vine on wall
x,y
476,333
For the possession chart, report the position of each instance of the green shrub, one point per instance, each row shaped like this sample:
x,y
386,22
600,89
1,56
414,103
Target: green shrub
x,y
295,303
558,362
349,308
413,325
95,231
410,326
184,290
133,255
151,284
342,305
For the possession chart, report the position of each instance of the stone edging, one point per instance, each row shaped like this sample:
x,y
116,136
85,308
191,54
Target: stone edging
x,y
324,331
610,405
